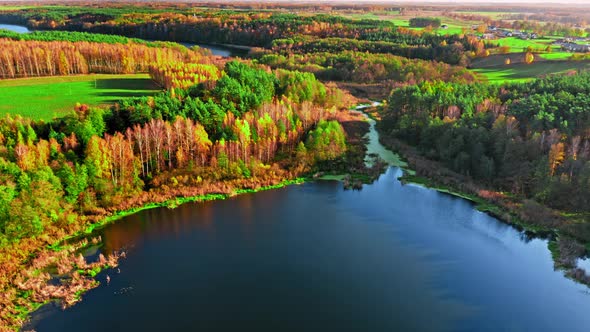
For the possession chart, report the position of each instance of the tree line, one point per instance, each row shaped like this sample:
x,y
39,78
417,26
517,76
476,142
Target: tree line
x,y
75,36
251,28
53,173
361,67
40,58
422,22
527,138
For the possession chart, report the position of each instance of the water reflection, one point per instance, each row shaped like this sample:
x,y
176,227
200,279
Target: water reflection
x,y
15,28
315,258
158,223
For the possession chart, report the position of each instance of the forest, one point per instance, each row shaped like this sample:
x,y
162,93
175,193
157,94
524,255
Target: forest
x,y
49,58
218,126
362,67
254,29
527,139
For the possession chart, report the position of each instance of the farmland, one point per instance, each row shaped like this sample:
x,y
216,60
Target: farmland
x,y
522,72
44,98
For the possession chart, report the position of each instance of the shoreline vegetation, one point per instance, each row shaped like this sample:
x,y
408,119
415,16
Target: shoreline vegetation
x,y
58,271
77,275
514,211
521,146
219,129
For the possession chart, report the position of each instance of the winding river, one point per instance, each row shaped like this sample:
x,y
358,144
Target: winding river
x,y
315,257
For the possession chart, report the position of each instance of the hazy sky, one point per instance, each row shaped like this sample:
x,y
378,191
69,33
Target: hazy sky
x,y
479,2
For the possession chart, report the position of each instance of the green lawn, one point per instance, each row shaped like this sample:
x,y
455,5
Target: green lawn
x,y
523,72
48,97
517,45
2,7
455,27
556,55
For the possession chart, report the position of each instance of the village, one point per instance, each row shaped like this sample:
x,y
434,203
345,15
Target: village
x,y
569,44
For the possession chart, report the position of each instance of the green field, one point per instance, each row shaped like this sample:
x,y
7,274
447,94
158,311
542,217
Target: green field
x,y
517,45
13,7
556,55
522,72
47,97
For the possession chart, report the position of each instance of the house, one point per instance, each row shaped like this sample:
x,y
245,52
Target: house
x,y
573,47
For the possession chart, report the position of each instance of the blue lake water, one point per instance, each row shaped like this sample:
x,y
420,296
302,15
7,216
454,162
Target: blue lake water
x,y
15,28
315,257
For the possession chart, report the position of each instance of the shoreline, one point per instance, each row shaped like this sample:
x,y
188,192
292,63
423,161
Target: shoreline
x,y
62,245
171,203
564,249
480,204
216,191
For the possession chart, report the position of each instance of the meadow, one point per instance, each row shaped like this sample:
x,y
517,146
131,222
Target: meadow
x,y
517,45
522,72
43,98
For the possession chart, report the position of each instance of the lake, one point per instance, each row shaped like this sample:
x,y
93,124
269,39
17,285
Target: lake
x,y
220,50
315,257
15,28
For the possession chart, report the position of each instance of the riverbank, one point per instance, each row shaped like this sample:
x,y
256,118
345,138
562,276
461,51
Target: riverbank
x,y
57,270
566,244
65,274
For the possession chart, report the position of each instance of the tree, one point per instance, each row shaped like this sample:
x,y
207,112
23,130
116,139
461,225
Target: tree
x,y
556,156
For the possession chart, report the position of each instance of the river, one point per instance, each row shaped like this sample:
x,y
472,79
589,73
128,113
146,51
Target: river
x,y
15,28
315,257
220,50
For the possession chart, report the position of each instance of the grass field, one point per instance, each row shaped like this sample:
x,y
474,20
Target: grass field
x,y
523,72
47,97
455,26
517,44
2,7
556,56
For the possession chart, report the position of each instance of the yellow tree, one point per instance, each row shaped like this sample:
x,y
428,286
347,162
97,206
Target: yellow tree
x,y
556,156
529,58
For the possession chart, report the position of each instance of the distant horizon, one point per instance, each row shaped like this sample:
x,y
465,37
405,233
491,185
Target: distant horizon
x,y
477,3
449,2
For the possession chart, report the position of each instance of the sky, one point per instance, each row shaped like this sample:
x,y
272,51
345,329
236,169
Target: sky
x,y
481,2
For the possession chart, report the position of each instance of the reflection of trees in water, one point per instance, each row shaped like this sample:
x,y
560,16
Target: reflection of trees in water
x,y
132,230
